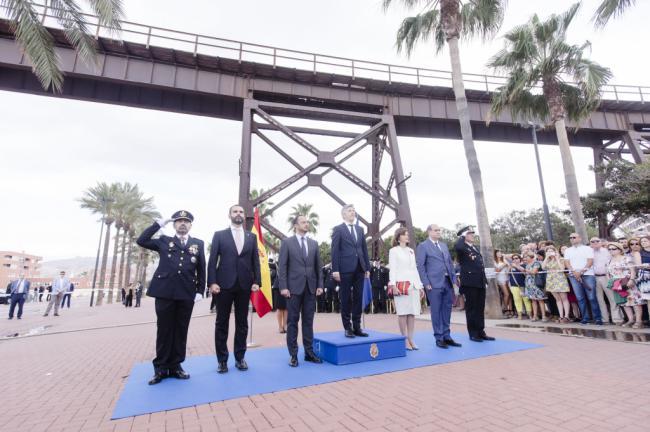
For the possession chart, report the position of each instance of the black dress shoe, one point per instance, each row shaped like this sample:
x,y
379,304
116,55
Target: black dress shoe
x,y
487,338
311,357
241,365
441,344
157,377
476,339
223,367
293,361
349,334
451,342
180,374
360,333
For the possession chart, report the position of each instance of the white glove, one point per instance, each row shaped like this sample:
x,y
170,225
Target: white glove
x,y
198,297
162,222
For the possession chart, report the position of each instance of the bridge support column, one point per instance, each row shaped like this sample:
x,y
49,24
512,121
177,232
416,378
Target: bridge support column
x,y
599,160
379,135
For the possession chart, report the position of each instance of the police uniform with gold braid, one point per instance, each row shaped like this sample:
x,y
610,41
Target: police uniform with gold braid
x,y
179,277
472,285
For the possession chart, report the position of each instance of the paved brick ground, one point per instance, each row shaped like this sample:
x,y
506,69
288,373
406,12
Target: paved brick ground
x,y
69,377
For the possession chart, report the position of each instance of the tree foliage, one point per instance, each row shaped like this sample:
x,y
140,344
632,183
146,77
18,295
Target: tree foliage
x,y
626,193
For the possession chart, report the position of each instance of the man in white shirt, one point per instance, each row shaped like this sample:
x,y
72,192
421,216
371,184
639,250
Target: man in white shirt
x,y
579,260
601,260
19,291
60,286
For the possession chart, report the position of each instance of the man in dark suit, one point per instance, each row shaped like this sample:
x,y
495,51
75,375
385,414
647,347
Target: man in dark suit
x,y
350,264
301,280
19,290
472,284
233,272
177,283
438,277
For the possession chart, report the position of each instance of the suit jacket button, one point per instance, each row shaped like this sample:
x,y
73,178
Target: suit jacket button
x,y
181,258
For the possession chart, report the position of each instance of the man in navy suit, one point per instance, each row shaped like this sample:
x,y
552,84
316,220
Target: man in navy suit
x,y
473,284
19,290
350,264
438,277
300,277
233,272
177,283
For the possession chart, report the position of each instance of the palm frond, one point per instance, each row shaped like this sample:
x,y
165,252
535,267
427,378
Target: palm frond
x,y
110,13
421,27
482,18
36,42
609,9
70,16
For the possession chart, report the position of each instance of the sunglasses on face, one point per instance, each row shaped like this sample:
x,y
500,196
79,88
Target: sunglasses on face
x,y
573,237
595,241
634,244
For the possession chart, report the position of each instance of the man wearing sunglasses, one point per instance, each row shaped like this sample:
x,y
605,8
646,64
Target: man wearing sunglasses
x,y
601,260
579,260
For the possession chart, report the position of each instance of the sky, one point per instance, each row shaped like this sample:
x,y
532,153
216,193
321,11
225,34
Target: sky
x,y
53,149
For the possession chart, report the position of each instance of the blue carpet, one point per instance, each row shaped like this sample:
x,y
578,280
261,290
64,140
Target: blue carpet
x,y
269,372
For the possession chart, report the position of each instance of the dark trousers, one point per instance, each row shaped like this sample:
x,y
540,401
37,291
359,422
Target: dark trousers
x,y
16,299
137,300
225,299
66,297
440,301
298,304
171,337
40,297
128,301
350,293
474,310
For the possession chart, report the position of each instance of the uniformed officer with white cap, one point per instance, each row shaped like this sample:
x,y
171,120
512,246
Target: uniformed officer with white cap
x,y
177,283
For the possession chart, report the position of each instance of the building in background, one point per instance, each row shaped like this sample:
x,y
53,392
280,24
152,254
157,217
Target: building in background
x,y
12,264
635,226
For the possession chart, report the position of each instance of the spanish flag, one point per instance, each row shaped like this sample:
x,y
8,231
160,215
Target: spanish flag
x,y
262,300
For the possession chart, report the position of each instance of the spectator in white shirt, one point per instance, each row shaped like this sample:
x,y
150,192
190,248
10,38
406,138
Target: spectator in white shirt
x,y
579,260
601,260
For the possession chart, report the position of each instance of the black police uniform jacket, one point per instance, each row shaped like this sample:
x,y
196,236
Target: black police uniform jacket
x,y
472,269
181,270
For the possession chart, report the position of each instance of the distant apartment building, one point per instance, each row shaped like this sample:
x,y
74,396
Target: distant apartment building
x,y
13,264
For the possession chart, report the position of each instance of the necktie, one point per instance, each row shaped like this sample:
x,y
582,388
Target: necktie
x,y
183,241
303,246
354,234
438,246
238,240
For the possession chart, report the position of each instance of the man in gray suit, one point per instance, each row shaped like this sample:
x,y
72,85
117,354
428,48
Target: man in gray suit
x,y
60,285
438,277
300,279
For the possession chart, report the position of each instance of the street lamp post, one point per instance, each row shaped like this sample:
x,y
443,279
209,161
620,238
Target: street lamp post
x,y
547,217
101,232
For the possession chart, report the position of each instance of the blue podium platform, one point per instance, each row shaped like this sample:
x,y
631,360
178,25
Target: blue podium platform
x,y
337,349
269,372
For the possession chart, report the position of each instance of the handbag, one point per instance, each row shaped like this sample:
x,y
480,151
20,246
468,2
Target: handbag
x,y
402,288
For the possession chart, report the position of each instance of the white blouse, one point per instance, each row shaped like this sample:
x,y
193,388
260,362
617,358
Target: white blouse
x,y
402,267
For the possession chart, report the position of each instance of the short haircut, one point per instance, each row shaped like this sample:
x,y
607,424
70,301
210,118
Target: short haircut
x,y
294,220
399,232
346,207
236,205
430,227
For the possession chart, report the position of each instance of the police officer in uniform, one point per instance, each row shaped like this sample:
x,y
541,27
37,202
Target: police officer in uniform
x,y
178,282
472,284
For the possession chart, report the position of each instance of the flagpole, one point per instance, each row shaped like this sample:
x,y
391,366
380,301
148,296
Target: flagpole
x,y
251,343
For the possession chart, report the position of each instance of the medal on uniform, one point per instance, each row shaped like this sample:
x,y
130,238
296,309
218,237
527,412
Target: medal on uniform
x,y
193,249
193,259
171,244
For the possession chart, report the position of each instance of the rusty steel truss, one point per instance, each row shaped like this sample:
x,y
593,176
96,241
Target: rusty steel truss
x,y
380,135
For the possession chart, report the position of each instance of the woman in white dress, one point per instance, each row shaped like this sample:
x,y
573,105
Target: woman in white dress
x,y
401,264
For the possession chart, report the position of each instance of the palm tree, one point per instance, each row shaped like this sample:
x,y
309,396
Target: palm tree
x,y
304,210
262,207
537,52
610,9
38,44
127,200
448,21
101,199
140,218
